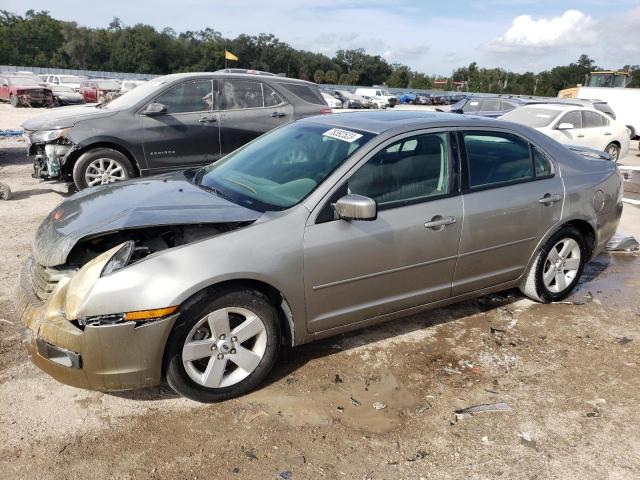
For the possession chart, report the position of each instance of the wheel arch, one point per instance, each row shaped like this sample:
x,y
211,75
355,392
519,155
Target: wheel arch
x,y
78,152
275,296
581,224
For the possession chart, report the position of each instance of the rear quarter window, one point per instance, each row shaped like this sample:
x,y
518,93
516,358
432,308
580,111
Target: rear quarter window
x,y
305,92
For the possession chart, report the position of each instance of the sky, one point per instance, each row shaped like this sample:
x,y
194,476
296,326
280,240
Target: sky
x,y
433,37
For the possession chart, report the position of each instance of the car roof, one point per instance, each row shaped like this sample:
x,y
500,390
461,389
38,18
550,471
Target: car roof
x,y
252,76
381,121
557,106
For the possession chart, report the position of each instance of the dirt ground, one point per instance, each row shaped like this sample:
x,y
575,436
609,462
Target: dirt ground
x,y
569,375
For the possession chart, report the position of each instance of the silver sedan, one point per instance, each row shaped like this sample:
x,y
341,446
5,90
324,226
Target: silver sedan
x,y
322,226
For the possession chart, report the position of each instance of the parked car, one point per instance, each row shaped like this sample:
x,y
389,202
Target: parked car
x,y
491,107
351,100
379,95
23,90
96,91
572,125
376,102
332,101
71,81
412,98
170,123
325,225
63,96
125,86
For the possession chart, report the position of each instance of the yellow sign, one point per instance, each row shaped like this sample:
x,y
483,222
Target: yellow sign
x,y
230,56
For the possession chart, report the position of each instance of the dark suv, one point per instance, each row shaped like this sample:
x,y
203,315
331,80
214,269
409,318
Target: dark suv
x,y
169,123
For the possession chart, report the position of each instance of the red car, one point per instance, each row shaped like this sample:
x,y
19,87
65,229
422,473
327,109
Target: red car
x,y
24,90
95,91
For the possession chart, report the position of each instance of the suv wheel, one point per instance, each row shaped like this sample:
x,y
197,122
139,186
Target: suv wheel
x,y
13,100
223,347
101,166
557,268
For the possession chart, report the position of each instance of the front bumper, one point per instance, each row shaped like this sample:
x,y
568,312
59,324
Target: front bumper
x,y
114,357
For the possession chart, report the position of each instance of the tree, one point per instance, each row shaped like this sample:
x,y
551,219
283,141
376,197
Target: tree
x,y
400,76
318,76
331,76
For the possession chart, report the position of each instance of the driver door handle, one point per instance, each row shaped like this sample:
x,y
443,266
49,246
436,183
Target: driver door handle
x,y
208,119
437,222
608,133
580,135
548,199
277,114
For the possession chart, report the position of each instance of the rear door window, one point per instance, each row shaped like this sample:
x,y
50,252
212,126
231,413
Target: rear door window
x,y
592,120
305,92
191,96
236,94
271,97
495,158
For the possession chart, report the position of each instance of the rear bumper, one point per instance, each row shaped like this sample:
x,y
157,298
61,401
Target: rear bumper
x,y
107,358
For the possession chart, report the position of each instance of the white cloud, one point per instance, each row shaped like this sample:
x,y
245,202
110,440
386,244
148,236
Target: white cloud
x,y
571,28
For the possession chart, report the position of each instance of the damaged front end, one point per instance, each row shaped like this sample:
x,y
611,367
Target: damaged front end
x,y
50,149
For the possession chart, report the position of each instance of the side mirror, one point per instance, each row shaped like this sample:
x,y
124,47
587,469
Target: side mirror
x,y
155,109
565,126
456,110
356,207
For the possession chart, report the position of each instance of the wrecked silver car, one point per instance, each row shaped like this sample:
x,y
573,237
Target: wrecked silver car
x,y
322,226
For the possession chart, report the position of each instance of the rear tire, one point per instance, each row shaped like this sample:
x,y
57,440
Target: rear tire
x,y
613,150
13,100
555,272
99,166
231,326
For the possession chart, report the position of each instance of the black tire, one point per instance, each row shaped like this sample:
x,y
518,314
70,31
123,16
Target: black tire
x,y
13,100
82,165
533,285
175,372
613,150
5,191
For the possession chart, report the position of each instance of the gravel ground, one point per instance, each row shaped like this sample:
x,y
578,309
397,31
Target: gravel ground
x,y
568,373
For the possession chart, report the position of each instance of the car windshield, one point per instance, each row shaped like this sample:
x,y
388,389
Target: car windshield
x,y
23,81
60,88
279,169
135,95
70,79
533,117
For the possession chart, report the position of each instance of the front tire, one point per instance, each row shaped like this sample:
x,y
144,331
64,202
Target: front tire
x,y
100,166
223,346
613,150
557,267
13,100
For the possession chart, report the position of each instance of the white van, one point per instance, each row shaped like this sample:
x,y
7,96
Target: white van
x,y
625,102
380,94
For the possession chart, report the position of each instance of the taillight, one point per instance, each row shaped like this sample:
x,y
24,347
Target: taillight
x,y
325,111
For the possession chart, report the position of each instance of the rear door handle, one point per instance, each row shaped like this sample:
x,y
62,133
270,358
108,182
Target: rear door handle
x,y
608,133
277,114
438,222
208,119
580,135
548,199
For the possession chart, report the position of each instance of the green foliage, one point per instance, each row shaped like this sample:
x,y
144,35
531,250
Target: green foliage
x,y
37,39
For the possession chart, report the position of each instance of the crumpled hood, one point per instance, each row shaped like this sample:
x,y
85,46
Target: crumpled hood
x,y
64,117
163,200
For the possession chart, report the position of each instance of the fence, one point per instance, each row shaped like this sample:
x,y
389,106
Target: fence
x,y
81,73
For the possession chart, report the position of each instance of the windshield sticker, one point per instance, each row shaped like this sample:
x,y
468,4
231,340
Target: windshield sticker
x,y
344,135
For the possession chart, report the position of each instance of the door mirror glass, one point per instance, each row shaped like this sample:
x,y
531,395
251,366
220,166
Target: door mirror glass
x,y
155,108
356,207
565,126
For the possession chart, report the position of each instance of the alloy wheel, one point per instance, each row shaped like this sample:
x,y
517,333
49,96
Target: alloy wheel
x,y
224,347
104,170
561,265
613,151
